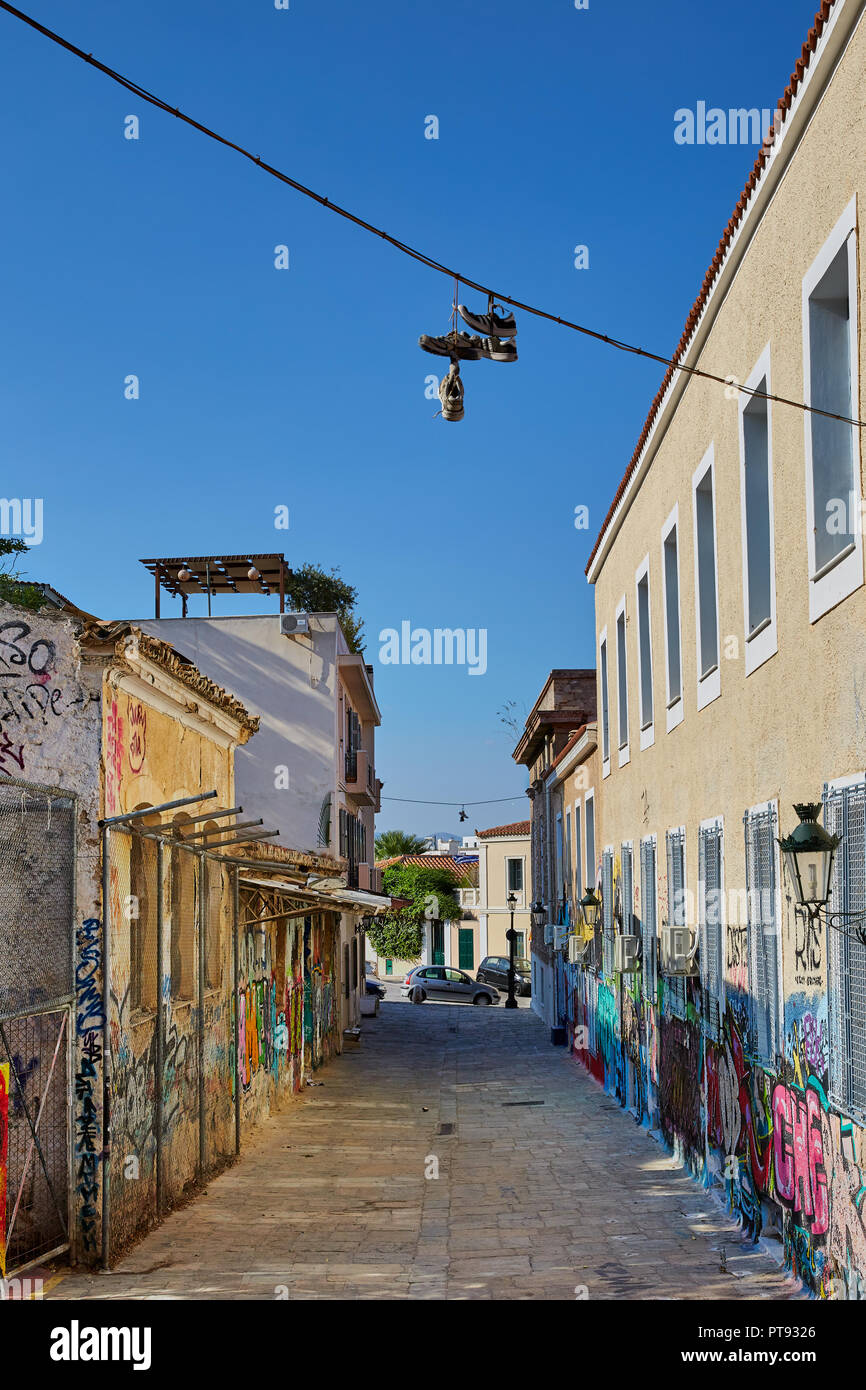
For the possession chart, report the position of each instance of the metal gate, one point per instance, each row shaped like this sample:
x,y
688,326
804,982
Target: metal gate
x,y
37,913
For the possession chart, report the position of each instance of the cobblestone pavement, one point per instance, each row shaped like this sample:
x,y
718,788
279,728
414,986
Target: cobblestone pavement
x,y
546,1188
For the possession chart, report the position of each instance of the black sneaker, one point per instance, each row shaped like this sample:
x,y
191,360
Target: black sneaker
x,y
498,351
451,394
496,324
453,345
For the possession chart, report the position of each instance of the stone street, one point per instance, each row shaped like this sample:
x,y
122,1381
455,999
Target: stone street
x,y
546,1188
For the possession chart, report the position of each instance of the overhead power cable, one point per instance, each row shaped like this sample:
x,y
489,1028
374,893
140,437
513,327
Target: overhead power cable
x,y
495,802
403,246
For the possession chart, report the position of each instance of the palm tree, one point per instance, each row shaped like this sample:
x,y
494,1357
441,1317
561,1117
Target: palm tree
x,y
390,843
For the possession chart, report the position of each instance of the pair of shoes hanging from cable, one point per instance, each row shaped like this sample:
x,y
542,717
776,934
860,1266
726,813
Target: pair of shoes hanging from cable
x,y
493,339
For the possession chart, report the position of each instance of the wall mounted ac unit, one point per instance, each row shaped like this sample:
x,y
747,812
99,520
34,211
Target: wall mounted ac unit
x,y
294,624
579,950
679,951
626,954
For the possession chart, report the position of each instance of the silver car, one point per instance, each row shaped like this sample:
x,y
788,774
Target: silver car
x,y
448,985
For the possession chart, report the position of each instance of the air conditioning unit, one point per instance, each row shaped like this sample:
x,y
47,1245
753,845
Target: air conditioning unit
x,y
626,954
679,951
579,950
294,624
549,929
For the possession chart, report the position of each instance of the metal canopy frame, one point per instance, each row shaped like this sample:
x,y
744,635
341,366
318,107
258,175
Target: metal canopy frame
x,y
219,574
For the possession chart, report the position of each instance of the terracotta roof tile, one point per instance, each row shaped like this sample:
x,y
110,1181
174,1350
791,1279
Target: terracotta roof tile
x,y
783,106
519,827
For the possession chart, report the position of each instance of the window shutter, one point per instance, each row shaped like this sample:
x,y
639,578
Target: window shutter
x,y
763,933
845,815
607,895
676,910
648,916
627,890
709,889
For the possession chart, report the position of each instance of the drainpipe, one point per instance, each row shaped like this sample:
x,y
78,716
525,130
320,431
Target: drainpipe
x,y
106,1053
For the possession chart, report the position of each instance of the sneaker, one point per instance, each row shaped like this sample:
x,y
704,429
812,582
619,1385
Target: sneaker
x,y
453,345
451,394
498,351
496,324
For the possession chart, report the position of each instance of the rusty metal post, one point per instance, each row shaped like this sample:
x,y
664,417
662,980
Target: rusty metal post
x,y
156,573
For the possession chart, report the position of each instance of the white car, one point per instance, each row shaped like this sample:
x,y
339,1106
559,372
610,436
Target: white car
x,y
448,985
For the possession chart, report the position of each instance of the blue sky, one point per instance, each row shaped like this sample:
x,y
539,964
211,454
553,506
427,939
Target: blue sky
x,y
305,387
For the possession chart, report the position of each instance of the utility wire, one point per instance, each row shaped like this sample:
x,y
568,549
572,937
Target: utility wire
x,y
407,250
496,802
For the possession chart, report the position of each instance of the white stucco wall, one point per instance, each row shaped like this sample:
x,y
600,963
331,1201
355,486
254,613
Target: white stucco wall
x,y
291,684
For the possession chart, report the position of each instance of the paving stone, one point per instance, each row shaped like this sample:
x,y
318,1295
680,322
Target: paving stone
x,y
531,1202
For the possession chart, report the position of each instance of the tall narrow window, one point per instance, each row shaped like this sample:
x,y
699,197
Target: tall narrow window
x,y
605,713
710,924
763,932
578,855
756,486
845,815
832,446
622,684
649,930
673,658
706,593
677,913
589,810
567,855
627,862
515,875
644,655
607,911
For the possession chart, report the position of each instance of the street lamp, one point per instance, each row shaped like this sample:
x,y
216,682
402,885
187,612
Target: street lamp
x,y
538,913
809,853
511,935
590,906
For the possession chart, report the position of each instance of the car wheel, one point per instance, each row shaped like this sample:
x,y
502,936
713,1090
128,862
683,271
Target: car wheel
x,y
418,996
481,999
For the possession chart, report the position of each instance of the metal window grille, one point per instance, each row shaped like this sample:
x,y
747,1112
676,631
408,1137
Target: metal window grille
x,y
845,815
763,933
676,855
649,934
607,899
710,924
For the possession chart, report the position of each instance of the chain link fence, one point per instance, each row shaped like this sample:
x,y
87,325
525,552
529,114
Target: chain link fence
x,y
37,906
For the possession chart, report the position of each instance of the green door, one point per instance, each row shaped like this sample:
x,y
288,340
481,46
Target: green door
x,y
438,943
466,948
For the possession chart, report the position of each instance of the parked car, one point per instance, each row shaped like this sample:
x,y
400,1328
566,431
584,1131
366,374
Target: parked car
x,y
445,983
375,986
494,971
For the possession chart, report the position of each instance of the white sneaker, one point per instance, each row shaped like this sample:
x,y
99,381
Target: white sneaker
x,y
451,394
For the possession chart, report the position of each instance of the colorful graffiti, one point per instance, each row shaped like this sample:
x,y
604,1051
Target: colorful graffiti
x,y
680,1082
89,1027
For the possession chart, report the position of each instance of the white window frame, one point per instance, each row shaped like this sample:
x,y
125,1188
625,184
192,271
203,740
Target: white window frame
x,y
622,685
763,643
844,574
591,876
647,727
709,684
674,709
521,894
604,681
676,990
650,976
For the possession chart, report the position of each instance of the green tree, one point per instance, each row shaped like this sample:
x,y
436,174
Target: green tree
x,y
12,588
429,895
390,843
311,589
